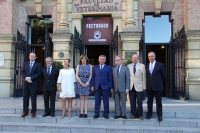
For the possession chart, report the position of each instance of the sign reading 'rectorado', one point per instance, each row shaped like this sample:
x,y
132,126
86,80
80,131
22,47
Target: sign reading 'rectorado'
x,y
96,5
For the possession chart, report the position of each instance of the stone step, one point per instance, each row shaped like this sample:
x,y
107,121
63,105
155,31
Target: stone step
x,y
167,122
19,132
178,114
77,128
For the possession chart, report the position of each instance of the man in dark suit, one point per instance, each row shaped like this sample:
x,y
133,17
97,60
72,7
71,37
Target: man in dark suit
x,y
155,75
31,72
101,85
121,86
49,78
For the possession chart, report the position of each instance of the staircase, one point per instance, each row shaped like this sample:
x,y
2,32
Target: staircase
x,y
173,122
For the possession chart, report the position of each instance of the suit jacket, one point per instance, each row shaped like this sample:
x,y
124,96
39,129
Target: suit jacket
x,y
156,79
49,82
121,82
139,78
102,77
34,74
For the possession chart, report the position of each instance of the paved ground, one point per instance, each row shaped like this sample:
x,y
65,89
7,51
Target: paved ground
x,y
169,105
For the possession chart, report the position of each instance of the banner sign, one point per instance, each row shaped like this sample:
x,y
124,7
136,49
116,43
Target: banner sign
x,y
96,6
97,29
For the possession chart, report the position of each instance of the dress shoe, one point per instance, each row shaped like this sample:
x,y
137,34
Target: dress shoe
x,y
106,117
46,114
159,118
33,115
81,116
85,115
116,117
132,117
141,117
24,114
96,116
124,117
52,115
148,117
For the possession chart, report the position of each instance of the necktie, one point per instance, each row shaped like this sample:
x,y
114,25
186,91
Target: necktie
x,y
101,66
117,70
48,71
134,68
151,68
30,67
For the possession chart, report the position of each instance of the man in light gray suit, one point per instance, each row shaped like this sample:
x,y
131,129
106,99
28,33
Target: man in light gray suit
x,y
121,86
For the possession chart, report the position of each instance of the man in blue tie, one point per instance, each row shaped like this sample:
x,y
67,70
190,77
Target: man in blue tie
x,y
121,87
31,72
137,86
49,78
101,85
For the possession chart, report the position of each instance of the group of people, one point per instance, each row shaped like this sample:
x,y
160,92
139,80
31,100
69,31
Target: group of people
x,y
120,80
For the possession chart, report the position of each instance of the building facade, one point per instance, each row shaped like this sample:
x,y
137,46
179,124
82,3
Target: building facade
x,y
96,21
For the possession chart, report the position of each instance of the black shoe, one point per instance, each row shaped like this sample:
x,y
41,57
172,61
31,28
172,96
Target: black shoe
x,y
148,117
96,116
106,117
85,115
159,118
116,117
124,117
46,114
81,116
52,115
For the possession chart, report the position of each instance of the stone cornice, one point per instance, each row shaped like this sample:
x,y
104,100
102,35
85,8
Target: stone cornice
x,y
192,80
192,32
117,15
77,16
129,34
7,37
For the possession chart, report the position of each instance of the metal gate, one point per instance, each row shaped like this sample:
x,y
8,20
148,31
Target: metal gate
x,y
20,58
77,47
178,48
114,46
48,45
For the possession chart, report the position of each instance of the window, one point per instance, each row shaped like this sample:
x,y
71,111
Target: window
x,y
37,30
157,29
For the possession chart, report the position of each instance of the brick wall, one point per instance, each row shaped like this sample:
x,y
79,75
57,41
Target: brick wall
x,y
5,16
193,14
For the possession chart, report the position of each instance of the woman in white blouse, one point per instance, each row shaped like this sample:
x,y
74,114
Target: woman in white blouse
x,y
66,86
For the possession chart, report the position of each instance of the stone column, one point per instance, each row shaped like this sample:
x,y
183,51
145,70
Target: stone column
x,y
63,18
131,15
192,64
62,37
7,65
77,21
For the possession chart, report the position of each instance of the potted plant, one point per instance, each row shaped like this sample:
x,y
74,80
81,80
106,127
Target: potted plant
x,y
127,61
58,65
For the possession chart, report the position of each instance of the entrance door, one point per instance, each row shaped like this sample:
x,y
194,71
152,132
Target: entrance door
x,y
93,52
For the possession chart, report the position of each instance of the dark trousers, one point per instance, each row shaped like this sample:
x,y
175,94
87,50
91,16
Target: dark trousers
x,y
52,96
29,91
158,96
135,95
105,94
